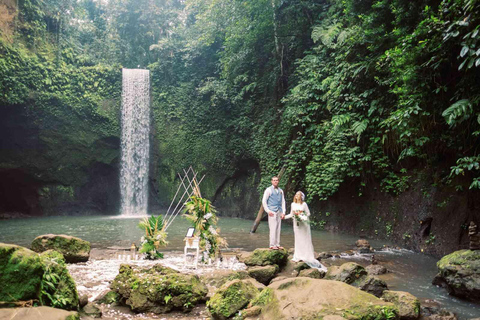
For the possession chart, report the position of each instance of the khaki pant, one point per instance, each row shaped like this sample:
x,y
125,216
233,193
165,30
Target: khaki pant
x,y
275,224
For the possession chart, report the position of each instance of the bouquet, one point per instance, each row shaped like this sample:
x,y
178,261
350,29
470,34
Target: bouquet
x,y
300,216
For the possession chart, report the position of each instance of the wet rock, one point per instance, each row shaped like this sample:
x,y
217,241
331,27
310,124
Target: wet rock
x,y
21,272
321,298
251,312
363,246
376,269
312,273
408,305
38,313
73,249
324,255
158,289
82,300
459,273
109,297
442,315
230,298
92,310
348,272
265,257
263,274
371,285
65,288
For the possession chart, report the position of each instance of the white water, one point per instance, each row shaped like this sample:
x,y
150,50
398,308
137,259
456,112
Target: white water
x,y
135,142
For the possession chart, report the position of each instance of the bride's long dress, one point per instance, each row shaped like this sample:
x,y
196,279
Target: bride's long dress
x,y
303,238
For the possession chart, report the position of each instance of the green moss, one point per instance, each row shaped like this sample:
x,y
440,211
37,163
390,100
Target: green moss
x,y
21,273
73,249
295,282
265,297
461,257
230,298
264,257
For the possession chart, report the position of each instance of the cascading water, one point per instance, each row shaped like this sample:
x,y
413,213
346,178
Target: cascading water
x,y
135,142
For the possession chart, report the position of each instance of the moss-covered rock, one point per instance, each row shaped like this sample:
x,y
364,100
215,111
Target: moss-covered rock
x,y
348,272
230,298
371,285
459,273
263,274
265,257
312,273
110,297
307,298
63,294
91,310
73,249
158,289
408,305
38,313
21,273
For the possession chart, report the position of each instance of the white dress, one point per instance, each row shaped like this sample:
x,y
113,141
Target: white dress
x,y
303,237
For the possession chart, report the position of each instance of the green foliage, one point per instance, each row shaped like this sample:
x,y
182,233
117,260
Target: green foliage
x,y
154,238
201,214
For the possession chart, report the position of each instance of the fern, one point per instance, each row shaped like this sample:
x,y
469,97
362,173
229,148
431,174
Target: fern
x,y
359,127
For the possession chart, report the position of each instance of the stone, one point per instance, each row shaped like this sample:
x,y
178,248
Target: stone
x,y
158,289
263,274
38,313
376,269
82,300
474,236
265,257
459,273
251,312
307,298
371,285
21,272
230,298
363,246
408,305
109,297
92,310
324,255
73,249
312,273
348,272
65,291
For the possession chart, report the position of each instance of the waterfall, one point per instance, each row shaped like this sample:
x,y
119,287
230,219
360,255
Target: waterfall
x,y
135,142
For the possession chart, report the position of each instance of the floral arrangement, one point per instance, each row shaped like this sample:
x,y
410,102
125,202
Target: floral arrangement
x,y
300,216
154,238
201,214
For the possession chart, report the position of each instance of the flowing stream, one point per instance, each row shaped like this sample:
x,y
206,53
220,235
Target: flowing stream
x,y
135,142
409,271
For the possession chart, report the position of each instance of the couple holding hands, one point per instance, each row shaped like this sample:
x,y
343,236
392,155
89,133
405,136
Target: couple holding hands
x,y
274,205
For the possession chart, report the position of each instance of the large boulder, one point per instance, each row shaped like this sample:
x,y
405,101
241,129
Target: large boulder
x,y
73,249
312,273
459,273
376,269
158,289
363,246
371,285
265,257
230,298
408,305
348,272
307,298
38,313
21,273
263,274
61,290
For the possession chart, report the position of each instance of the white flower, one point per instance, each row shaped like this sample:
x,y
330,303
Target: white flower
x,y
142,239
303,217
208,216
212,230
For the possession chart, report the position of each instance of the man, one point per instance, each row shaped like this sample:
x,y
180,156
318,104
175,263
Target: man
x,y
274,205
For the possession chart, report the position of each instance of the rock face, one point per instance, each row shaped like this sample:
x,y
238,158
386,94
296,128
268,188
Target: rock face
x,y
263,274
408,305
38,313
459,273
158,289
265,257
73,249
65,286
230,298
21,273
306,298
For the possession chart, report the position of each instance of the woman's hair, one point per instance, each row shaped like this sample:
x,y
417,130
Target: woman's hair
x,y
302,197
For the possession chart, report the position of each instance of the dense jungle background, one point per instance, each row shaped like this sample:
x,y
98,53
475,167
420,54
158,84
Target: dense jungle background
x,y
370,106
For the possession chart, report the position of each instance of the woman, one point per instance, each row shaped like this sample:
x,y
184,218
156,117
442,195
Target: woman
x,y
303,239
